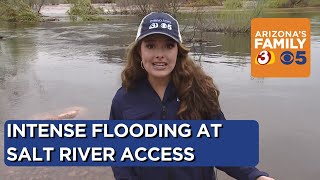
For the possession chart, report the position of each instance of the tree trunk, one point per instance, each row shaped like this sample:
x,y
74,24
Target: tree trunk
x,y
40,6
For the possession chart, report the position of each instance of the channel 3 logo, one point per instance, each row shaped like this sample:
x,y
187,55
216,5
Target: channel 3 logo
x,y
265,58
287,57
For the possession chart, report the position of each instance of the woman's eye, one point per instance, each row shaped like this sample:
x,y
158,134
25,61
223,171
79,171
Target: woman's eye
x,y
150,46
170,46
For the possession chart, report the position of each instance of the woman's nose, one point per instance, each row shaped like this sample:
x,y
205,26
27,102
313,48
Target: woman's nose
x,y
159,54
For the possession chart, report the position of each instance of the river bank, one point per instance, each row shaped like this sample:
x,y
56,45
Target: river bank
x,y
112,9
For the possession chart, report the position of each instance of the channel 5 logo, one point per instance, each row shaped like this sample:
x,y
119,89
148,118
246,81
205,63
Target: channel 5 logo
x,y
280,47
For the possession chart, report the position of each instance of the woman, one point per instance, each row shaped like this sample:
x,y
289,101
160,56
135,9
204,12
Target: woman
x,y
160,81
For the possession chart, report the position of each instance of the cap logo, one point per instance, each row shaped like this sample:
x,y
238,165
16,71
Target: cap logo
x,y
168,26
162,25
159,23
160,20
153,26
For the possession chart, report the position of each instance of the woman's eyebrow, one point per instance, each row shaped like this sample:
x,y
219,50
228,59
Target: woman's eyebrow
x,y
171,41
168,39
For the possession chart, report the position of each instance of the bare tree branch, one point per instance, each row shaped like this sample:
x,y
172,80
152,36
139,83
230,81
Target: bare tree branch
x,y
40,6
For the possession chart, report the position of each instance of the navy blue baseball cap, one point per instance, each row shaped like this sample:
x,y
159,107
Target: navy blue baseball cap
x,y
159,23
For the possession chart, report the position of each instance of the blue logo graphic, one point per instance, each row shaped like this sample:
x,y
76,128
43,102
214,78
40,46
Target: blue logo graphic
x,y
287,58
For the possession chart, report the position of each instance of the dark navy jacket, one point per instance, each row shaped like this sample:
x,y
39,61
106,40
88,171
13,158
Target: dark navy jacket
x,y
144,103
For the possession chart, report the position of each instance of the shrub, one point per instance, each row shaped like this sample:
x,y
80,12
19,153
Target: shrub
x,y
17,11
233,4
84,10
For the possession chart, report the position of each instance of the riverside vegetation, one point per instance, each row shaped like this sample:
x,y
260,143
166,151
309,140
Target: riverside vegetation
x,y
227,16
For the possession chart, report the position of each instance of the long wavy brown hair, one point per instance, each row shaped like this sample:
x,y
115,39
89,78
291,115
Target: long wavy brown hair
x,y
197,93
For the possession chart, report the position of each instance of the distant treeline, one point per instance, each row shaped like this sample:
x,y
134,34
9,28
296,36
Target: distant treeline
x,y
56,2
269,3
292,3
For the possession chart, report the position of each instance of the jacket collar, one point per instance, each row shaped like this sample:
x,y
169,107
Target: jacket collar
x,y
169,94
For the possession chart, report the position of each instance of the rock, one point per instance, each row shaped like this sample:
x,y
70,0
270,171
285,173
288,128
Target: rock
x,y
69,113
49,19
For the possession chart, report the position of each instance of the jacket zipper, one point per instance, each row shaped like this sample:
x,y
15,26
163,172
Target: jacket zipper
x,y
164,111
164,108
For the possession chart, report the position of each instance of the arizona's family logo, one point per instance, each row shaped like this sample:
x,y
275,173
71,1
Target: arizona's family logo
x,y
280,47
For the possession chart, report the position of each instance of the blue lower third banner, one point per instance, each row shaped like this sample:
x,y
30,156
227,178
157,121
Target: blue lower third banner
x,y
131,143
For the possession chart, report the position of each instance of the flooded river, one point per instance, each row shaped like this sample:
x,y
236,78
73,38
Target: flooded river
x,y
50,67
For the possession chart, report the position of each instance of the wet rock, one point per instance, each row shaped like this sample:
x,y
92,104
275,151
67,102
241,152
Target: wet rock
x,y
49,19
68,115
52,19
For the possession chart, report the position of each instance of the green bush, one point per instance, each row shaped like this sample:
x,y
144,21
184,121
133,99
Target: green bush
x,y
17,11
233,4
314,3
292,3
277,3
28,16
232,22
211,2
199,3
84,10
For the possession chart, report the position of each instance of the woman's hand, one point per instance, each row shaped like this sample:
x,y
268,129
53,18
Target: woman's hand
x,y
265,178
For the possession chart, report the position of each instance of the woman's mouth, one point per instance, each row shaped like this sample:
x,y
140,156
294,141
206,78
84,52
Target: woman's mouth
x,y
159,65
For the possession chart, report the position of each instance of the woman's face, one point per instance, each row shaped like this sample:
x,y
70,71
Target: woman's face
x,y
159,56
